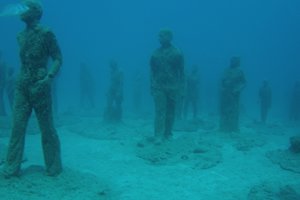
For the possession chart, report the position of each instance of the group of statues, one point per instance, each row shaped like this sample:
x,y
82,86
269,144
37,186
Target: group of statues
x,y
168,85
173,92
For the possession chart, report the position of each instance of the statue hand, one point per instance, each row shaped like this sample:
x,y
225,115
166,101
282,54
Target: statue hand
x,y
41,84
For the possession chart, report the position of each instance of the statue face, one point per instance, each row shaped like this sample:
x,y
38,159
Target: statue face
x,y
165,37
113,65
235,62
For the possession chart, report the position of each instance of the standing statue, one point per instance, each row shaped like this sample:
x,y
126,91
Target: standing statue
x,y
87,88
265,97
167,83
113,111
192,90
33,92
232,84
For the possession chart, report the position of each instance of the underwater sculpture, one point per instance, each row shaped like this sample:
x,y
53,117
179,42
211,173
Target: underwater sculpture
x,y
192,93
113,111
167,83
137,91
265,97
87,87
232,84
33,92
288,159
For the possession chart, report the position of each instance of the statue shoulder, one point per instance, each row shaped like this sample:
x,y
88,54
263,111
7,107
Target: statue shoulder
x,y
176,51
46,31
42,28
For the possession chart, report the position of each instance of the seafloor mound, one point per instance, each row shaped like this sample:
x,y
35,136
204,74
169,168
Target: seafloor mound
x,y
270,191
195,152
288,159
69,185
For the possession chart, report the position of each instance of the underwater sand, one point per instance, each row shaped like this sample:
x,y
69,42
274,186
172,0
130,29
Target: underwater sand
x,y
118,162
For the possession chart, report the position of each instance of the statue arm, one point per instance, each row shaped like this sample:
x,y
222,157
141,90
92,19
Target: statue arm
x,y
55,54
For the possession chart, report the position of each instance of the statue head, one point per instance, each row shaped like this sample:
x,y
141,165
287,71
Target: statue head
x,y
235,62
165,37
34,12
113,65
265,82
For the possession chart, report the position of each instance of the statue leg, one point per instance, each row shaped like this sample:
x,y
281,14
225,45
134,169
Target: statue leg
x,y
50,140
160,112
21,113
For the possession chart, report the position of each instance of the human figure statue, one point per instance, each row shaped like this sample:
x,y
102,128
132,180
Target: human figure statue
x,y
3,72
10,86
167,83
33,93
232,84
295,103
137,91
192,93
113,111
265,97
87,87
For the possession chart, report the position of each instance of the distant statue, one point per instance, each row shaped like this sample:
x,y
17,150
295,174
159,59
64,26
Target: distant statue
x,y
167,83
3,73
179,109
192,90
113,111
87,87
295,103
37,45
10,86
265,97
232,84
137,91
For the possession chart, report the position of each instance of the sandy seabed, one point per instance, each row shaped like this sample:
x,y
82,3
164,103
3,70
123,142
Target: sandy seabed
x,y
124,162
